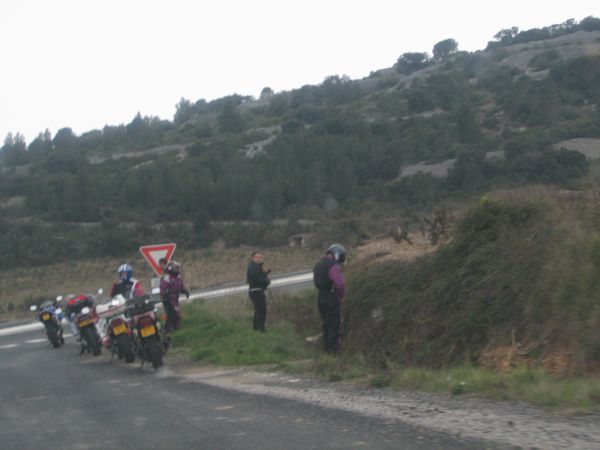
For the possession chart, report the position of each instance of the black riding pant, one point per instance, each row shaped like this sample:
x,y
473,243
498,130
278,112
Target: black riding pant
x,y
329,309
169,309
259,300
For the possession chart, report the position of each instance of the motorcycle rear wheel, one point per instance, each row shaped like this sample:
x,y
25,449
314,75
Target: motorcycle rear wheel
x,y
125,347
90,338
53,336
154,352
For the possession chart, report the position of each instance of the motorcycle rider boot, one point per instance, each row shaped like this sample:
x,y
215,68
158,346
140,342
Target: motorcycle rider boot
x,y
166,342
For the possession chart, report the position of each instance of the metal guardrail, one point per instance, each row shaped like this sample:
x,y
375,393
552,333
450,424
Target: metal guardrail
x,y
223,292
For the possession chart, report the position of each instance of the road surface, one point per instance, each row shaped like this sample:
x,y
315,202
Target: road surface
x,y
57,399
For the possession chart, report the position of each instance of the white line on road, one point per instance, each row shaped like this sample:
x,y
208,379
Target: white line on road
x,y
35,341
8,346
21,329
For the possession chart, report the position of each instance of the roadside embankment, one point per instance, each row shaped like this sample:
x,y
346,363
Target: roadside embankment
x,y
508,309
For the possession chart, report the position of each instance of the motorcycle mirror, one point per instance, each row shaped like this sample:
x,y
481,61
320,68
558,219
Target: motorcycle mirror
x,y
59,298
100,291
33,308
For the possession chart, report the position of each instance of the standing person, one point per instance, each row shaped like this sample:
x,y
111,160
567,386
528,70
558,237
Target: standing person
x,y
171,287
258,280
329,280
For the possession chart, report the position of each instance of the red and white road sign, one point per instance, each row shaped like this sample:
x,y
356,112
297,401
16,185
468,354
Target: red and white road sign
x,y
153,254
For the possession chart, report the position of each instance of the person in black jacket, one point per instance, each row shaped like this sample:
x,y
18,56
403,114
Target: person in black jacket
x,y
330,282
258,280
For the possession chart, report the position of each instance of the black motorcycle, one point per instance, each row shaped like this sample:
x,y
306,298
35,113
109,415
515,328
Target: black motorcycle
x,y
51,318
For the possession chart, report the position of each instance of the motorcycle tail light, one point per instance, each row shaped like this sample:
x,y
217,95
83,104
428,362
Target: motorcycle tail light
x,y
145,320
117,321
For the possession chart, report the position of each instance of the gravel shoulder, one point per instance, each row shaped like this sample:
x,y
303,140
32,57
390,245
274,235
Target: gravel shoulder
x,y
502,424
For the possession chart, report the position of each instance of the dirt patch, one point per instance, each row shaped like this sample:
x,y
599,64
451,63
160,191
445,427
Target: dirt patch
x,y
156,151
384,249
501,359
588,146
560,362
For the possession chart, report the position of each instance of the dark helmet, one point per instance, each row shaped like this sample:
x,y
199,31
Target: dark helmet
x,y
338,251
173,268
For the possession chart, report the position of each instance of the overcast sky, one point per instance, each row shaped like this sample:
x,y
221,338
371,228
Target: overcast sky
x,y
85,64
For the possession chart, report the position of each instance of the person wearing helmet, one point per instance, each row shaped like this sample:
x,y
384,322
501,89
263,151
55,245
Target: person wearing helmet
x,y
171,287
331,285
127,286
258,280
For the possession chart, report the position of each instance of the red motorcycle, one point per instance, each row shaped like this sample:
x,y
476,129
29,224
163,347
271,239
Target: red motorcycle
x,y
146,330
82,311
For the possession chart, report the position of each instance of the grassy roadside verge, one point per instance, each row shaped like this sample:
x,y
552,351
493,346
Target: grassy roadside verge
x,y
219,332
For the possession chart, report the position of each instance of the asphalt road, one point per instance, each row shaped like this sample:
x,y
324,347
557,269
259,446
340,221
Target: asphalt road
x,y
54,398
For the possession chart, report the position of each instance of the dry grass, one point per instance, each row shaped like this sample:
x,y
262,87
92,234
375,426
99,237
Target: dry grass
x,y
385,249
202,268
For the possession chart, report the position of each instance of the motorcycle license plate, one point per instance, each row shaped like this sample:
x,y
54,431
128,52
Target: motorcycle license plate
x,y
45,317
83,323
119,329
148,331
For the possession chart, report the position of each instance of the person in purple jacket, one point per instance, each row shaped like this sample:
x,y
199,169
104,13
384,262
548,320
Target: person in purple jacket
x,y
171,287
330,282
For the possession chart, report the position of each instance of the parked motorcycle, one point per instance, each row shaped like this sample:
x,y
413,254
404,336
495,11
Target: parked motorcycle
x,y
147,331
119,332
51,318
85,317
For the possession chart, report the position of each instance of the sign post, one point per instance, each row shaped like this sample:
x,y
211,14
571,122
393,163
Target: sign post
x,y
154,253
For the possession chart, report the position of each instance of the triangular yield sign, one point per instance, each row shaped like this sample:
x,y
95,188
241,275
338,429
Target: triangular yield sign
x,y
153,253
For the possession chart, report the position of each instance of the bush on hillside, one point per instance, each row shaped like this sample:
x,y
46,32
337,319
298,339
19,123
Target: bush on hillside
x,y
512,269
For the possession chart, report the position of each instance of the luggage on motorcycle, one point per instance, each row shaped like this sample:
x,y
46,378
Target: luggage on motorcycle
x,y
76,304
139,306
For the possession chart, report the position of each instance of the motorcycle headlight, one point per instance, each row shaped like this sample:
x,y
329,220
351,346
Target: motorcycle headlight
x,y
85,310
